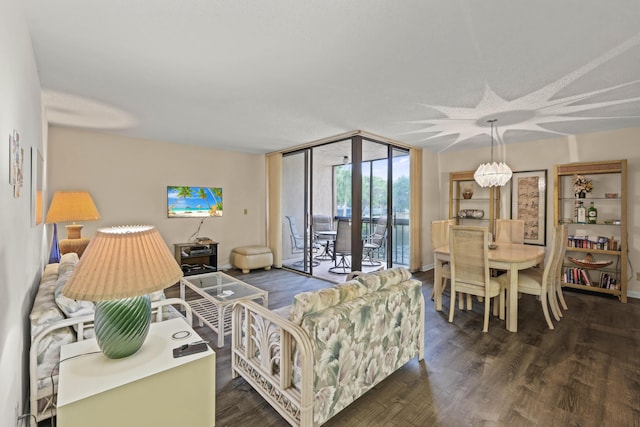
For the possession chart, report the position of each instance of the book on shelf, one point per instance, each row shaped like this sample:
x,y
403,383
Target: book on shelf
x,y
577,276
585,277
608,281
594,242
580,276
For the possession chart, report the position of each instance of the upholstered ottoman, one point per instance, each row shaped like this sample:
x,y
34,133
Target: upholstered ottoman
x,y
251,257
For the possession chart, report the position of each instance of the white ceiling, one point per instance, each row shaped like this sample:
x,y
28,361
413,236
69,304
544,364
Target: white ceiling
x,y
263,75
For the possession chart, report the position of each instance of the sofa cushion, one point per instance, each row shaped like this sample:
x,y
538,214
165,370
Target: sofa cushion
x,y
360,342
311,302
45,310
69,306
67,263
383,279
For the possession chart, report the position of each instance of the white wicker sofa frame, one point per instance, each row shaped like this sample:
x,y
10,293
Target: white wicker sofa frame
x,y
82,325
376,321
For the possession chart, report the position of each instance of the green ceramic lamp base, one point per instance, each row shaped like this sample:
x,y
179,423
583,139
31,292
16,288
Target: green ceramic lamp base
x,y
122,325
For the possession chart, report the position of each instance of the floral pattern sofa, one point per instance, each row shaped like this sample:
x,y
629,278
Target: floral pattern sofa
x,y
57,320
314,358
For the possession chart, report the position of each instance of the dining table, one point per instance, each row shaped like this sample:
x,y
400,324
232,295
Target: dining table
x,y
511,257
328,236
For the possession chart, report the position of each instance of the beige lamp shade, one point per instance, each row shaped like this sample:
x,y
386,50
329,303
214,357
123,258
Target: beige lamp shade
x,y
123,262
72,206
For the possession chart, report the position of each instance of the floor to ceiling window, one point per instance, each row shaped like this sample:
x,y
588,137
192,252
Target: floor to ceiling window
x,y
323,181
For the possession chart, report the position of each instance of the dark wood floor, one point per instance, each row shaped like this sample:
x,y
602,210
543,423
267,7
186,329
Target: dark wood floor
x,y
586,372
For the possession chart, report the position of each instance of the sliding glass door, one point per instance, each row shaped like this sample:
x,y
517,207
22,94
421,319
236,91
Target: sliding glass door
x,y
400,208
297,244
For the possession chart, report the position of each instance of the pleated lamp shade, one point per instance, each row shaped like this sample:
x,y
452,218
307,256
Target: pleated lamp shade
x,y
72,206
122,262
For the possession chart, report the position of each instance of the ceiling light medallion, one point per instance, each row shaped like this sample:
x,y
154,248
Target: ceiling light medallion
x,y
492,174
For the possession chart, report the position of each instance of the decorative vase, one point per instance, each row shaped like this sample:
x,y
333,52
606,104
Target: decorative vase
x,y
581,194
467,193
121,326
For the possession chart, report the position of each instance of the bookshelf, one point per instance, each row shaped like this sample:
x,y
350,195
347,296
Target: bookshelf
x,y
596,259
466,210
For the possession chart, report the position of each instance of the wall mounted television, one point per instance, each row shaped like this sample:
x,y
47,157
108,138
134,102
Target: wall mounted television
x,y
194,202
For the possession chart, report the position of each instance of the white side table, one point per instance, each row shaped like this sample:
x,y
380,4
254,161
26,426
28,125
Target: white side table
x,y
150,388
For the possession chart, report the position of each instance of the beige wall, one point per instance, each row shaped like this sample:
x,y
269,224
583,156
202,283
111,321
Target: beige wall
x,y
128,180
109,165
620,144
22,245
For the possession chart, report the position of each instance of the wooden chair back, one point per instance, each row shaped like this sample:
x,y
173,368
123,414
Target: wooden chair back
x,y
440,232
469,256
510,230
468,248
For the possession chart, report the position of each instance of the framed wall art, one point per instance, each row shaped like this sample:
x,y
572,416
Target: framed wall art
x,y
16,161
37,195
194,202
529,203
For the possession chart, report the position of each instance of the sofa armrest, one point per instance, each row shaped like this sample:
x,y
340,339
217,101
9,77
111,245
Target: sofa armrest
x,y
80,323
262,349
188,316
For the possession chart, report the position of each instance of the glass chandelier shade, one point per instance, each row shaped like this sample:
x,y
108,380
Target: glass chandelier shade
x,y
492,174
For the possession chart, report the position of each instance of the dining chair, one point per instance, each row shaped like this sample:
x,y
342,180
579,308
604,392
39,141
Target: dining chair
x,y
342,248
510,230
375,241
541,282
562,231
469,255
440,237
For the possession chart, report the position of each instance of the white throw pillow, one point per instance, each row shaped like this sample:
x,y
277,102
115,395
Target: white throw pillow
x,y
69,306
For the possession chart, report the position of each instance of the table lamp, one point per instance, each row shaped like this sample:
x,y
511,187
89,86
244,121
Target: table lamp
x,y
120,267
69,206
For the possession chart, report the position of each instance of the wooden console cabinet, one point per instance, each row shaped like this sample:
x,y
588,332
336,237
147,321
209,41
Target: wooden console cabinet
x,y
197,258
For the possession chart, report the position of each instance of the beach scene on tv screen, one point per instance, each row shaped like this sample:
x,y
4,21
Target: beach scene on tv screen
x,y
194,202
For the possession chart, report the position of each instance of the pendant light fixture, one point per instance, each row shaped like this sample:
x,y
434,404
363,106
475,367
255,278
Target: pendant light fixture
x,y
492,174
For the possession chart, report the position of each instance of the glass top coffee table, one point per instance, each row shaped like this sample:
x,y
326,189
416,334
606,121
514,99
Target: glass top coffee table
x,y
215,294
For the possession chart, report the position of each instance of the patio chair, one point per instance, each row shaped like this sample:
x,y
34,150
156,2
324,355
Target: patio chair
x,y
322,228
297,245
342,248
374,242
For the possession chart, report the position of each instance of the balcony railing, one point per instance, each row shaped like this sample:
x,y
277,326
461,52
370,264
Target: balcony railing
x,y
400,239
